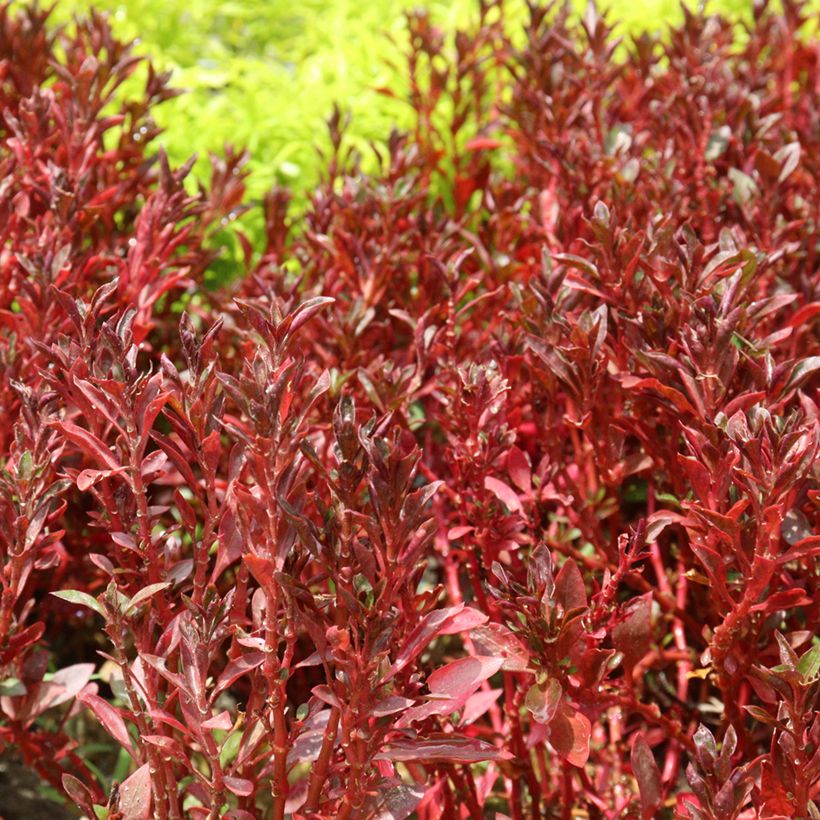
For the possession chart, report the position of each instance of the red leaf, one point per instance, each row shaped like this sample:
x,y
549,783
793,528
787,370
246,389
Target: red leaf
x,y
805,548
773,794
88,478
463,621
648,776
325,694
632,636
461,678
307,310
78,792
569,733
24,638
262,569
477,704
452,685
235,669
482,144
230,547
176,680
221,721
433,624
109,716
685,803
169,745
135,795
542,701
677,398
239,786
65,684
518,466
785,599
698,475
570,591
504,493
450,748
498,641
168,720
659,521
399,802
89,444
390,705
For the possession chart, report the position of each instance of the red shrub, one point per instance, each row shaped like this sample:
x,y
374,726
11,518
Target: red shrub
x,y
494,489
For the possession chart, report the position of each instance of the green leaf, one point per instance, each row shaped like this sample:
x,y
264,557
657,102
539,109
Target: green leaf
x,y
809,664
761,715
25,466
12,686
744,186
74,596
230,748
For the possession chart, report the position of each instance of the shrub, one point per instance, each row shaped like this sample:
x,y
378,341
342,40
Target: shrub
x,y
284,65
492,489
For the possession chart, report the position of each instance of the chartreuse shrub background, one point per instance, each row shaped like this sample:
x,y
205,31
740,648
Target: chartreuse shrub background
x,y
264,75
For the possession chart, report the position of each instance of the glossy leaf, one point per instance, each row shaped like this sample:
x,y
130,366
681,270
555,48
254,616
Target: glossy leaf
x,y
648,776
135,795
447,749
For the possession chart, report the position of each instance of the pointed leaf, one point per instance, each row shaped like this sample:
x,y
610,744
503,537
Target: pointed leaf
x,y
135,795
221,721
570,591
235,669
78,792
89,444
477,704
109,716
789,157
461,678
504,493
632,636
648,776
449,748
469,618
70,680
88,478
390,705
809,664
518,466
433,624
144,594
75,596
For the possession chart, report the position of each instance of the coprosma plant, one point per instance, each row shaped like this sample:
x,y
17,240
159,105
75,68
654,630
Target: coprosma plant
x,y
492,490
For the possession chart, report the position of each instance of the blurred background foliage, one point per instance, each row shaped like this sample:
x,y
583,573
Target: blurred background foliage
x,y
264,74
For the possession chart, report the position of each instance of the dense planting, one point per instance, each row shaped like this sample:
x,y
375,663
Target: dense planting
x,y
282,65
491,490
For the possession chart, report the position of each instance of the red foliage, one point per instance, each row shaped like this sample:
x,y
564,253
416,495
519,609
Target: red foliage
x,y
505,501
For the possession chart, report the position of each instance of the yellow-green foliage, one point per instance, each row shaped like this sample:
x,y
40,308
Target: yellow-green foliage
x,y
264,74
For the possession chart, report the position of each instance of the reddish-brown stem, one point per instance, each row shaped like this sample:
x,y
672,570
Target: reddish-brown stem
x,y
279,786
319,772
